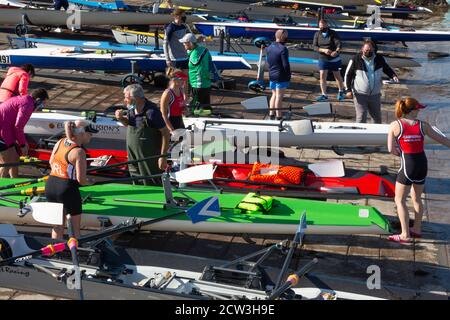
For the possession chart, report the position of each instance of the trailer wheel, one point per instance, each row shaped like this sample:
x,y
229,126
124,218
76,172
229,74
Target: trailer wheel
x,y
46,28
21,30
262,42
146,77
256,86
130,79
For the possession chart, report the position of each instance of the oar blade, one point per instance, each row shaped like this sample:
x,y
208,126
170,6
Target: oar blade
x,y
333,168
318,108
302,127
48,212
195,173
256,103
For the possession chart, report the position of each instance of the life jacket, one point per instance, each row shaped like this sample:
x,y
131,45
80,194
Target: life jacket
x,y
10,86
61,167
276,174
253,203
411,137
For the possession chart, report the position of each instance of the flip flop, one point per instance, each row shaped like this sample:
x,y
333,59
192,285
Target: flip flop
x,y
396,238
415,234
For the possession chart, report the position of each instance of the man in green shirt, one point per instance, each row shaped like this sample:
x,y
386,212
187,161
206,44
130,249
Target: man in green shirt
x,y
200,63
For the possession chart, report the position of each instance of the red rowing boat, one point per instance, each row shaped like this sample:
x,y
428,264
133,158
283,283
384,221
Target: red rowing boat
x,y
302,182
288,181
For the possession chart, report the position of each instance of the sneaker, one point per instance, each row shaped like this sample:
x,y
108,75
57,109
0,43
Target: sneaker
x,y
58,30
272,117
322,98
341,95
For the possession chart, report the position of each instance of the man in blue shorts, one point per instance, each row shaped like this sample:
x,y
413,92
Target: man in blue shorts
x,y
279,72
327,43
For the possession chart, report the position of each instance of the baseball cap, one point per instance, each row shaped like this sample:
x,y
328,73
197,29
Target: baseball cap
x,y
90,128
419,106
188,37
180,75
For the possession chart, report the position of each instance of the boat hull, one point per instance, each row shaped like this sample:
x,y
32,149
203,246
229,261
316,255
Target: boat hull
x,y
112,134
249,30
53,58
42,17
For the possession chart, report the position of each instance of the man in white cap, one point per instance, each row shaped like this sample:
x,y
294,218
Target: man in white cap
x,y
200,67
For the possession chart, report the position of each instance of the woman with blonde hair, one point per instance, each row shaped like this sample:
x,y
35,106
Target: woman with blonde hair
x,y
406,139
173,100
68,173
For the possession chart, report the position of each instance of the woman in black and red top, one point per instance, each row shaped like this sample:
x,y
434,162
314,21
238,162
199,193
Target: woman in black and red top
x,y
173,100
406,139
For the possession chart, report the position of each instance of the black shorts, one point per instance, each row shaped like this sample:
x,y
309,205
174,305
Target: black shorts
x,y
413,169
4,146
177,122
66,192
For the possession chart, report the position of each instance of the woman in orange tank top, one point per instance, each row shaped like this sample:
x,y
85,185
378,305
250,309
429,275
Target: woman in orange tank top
x,y
68,173
406,140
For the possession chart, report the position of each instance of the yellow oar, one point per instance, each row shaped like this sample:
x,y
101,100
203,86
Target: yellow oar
x,y
27,192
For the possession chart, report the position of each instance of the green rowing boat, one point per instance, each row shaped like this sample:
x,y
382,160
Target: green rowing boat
x,y
120,202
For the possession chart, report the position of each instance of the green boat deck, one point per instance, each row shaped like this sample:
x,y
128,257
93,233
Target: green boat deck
x,y
118,200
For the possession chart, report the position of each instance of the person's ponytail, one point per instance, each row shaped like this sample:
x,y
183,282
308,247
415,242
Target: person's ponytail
x,y
404,106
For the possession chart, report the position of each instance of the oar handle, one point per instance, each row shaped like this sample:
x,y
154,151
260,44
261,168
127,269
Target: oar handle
x,y
293,279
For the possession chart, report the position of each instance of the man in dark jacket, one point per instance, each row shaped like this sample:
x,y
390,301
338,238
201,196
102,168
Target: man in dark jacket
x,y
279,72
363,81
327,43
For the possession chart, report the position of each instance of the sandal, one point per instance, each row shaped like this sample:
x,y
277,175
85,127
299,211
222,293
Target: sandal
x,y
415,234
396,238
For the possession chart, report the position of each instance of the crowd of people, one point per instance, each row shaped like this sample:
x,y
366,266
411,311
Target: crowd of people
x,y
190,70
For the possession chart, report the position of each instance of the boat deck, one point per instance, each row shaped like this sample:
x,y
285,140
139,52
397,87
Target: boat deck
x,y
414,271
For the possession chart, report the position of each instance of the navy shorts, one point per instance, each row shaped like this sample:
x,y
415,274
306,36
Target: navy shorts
x,y
329,65
61,4
278,85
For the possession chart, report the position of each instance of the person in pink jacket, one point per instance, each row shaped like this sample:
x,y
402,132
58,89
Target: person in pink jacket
x,y
14,115
16,82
